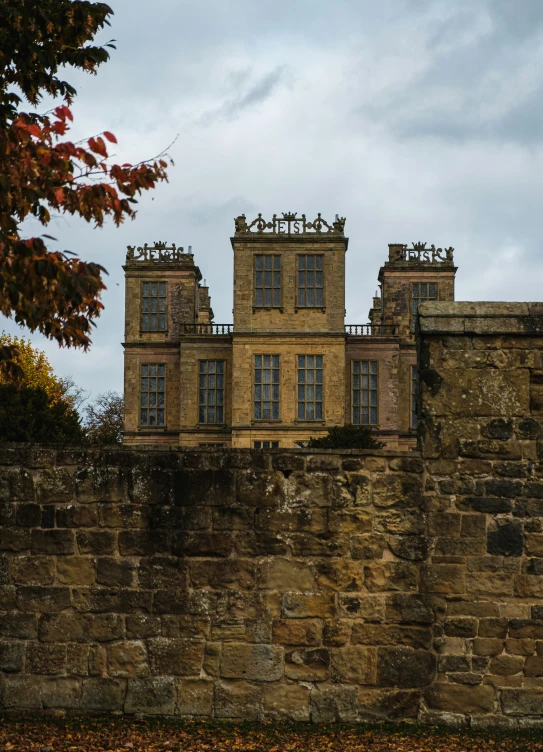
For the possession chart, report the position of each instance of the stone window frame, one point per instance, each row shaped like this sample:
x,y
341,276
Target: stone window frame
x,y
261,444
276,301
162,299
262,384
417,299
207,405
314,370
414,391
145,377
358,374
314,288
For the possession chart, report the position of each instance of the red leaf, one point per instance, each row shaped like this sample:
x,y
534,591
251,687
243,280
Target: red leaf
x,y
110,137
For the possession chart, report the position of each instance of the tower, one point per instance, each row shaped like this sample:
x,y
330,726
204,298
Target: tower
x,y
288,341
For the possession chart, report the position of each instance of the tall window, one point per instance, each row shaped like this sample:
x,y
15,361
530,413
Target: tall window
x,y
310,377
414,396
267,281
152,394
266,386
211,391
421,291
365,392
310,281
153,307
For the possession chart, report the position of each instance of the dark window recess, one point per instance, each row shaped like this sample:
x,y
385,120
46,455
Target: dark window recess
x,y
310,281
266,444
364,376
266,387
153,307
267,281
310,387
152,390
211,391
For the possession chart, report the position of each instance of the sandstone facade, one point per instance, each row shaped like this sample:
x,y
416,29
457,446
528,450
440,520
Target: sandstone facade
x,y
294,308
295,584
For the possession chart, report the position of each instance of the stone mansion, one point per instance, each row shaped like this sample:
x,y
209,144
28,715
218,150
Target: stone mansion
x,y
289,367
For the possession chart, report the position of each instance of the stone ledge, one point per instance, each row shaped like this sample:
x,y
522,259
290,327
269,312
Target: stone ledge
x,y
465,318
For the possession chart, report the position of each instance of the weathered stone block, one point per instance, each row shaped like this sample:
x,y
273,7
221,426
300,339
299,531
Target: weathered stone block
x,y
44,599
506,665
286,701
522,701
487,646
46,659
339,574
153,696
14,539
534,666
459,698
238,699
33,570
101,600
115,572
336,633
101,695
391,634
162,572
388,704
329,704
235,574
301,606
76,570
415,609
77,660
99,542
21,691
127,659
404,668
355,664
12,655
505,538
60,693
443,579
177,657
360,605
493,627
65,627
389,575
194,697
298,632
251,662
308,664
54,542
461,626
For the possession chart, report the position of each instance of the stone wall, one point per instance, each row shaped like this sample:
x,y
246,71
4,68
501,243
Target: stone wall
x,y
296,584
223,583
482,444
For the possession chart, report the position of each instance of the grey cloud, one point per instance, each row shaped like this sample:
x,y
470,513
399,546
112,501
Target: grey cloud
x,y
256,94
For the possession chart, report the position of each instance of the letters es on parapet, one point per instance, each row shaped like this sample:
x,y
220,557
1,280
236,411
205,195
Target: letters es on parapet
x,y
289,224
419,252
157,252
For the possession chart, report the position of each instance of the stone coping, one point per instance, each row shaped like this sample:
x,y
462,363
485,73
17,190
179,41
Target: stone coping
x,y
490,318
46,453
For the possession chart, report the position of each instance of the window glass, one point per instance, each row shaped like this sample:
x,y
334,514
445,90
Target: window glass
x,y
211,391
310,278
365,400
152,394
266,387
310,387
153,306
267,281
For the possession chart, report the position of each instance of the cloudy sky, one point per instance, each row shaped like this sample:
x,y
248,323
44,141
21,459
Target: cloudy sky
x,y
414,119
